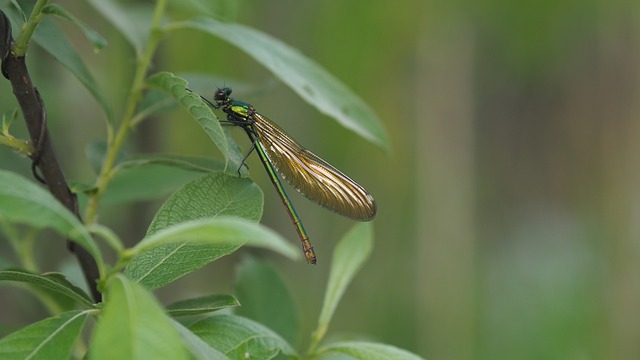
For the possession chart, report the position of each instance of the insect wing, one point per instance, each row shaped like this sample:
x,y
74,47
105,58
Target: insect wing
x,y
313,177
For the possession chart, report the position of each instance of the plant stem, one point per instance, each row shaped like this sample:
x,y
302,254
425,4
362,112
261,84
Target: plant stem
x,y
316,338
33,109
108,235
137,86
22,42
21,146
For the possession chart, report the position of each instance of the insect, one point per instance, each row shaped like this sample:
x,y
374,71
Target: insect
x,y
306,172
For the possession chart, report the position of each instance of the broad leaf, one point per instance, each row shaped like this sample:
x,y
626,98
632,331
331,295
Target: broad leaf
x,y
51,338
366,351
204,198
210,196
241,338
134,326
51,281
348,257
314,84
22,201
266,299
179,250
198,348
202,305
194,244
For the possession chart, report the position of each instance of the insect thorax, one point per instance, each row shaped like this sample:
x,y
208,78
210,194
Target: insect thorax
x,y
240,109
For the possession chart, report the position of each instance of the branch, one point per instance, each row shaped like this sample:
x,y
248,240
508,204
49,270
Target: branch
x,y
44,157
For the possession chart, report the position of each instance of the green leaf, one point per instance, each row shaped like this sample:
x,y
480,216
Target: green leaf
x,y
314,84
133,21
266,299
179,250
348,257
22,201
201,111
195,244
209,196
49,36
198,348
97,41
198,109
148,178
51,338
52,281
366,351
241,338
201,305
134,326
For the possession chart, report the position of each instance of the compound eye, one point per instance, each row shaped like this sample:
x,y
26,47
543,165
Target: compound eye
x,y
220,95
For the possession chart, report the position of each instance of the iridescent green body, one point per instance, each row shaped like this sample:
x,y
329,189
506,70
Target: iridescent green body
x,y
306,172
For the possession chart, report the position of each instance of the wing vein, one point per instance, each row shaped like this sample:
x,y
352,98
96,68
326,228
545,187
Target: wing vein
x,y
310,175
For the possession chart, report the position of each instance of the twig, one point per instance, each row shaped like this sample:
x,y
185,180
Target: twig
x,y
44,157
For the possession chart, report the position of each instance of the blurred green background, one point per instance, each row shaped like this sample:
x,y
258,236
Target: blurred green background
x,y
508,221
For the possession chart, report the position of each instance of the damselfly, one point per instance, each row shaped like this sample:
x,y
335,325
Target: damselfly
x,y
313,177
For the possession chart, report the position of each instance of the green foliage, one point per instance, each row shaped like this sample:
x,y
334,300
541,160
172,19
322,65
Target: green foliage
x,y
258,287
97,41
196,107
135,321
51,338
365,350
52,281
237,197
213,211
349,255
24,202
240,337
302,75
201,305
53,40
181,249
148,178
196,346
